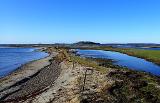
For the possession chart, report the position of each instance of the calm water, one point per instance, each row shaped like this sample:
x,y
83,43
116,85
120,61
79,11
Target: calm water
x,y
131,46
151,48
137,47
12,58
123,60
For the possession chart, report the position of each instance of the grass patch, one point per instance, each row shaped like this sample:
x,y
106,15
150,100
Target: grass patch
x,y
88,62
65,55
150,55
135,86
130,86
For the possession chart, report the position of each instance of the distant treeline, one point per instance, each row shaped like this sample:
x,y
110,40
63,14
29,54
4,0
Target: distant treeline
x,y
84,43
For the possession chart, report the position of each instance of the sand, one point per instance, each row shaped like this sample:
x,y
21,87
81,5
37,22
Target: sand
x,y
48,81
26,77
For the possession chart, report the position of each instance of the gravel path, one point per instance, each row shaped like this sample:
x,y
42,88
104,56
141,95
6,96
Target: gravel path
x,y
35,85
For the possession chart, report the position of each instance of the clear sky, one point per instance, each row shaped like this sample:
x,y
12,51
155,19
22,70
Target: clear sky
x,y
105,21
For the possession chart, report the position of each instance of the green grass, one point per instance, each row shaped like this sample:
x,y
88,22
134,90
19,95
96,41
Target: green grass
x,y
133,86
88,62
129,86
150,55
65,55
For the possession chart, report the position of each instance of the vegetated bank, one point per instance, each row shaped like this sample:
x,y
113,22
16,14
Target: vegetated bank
x,y
104,82
129,86
150,55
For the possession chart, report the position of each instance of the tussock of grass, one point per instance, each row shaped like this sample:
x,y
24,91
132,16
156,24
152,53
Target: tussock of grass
x,y
134,86
89,63
62,55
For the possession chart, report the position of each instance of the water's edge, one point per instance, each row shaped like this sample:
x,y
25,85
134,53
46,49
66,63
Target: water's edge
x,y
123,60
26,63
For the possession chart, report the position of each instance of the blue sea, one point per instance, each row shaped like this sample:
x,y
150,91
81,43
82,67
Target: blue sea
x,y
12,58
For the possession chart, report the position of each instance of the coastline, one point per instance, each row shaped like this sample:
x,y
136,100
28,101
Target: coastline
x,y
14,81
22,64
62,81
130,52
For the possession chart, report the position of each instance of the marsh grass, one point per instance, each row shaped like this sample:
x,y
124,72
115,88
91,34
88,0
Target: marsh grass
x,y
150,55
89,63
130,86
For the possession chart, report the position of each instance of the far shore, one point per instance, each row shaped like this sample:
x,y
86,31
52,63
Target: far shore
x,y
59,78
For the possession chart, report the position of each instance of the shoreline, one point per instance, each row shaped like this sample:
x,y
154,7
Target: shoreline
x,y
126,82
62,81
122,50
23,65
13,82
40,49
114,64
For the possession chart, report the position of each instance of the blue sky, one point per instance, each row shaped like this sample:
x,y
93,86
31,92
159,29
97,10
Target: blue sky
x,y
105,21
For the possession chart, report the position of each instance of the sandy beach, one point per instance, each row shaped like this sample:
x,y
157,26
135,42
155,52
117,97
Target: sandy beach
x,y
29,78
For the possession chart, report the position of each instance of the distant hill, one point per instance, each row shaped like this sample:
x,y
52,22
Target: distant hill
x,y
86,43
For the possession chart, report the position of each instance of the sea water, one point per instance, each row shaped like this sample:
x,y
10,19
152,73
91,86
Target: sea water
x,y
12,58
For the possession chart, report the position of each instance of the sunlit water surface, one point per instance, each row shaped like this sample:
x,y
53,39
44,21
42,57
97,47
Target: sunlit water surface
x,y
124,60
12,58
